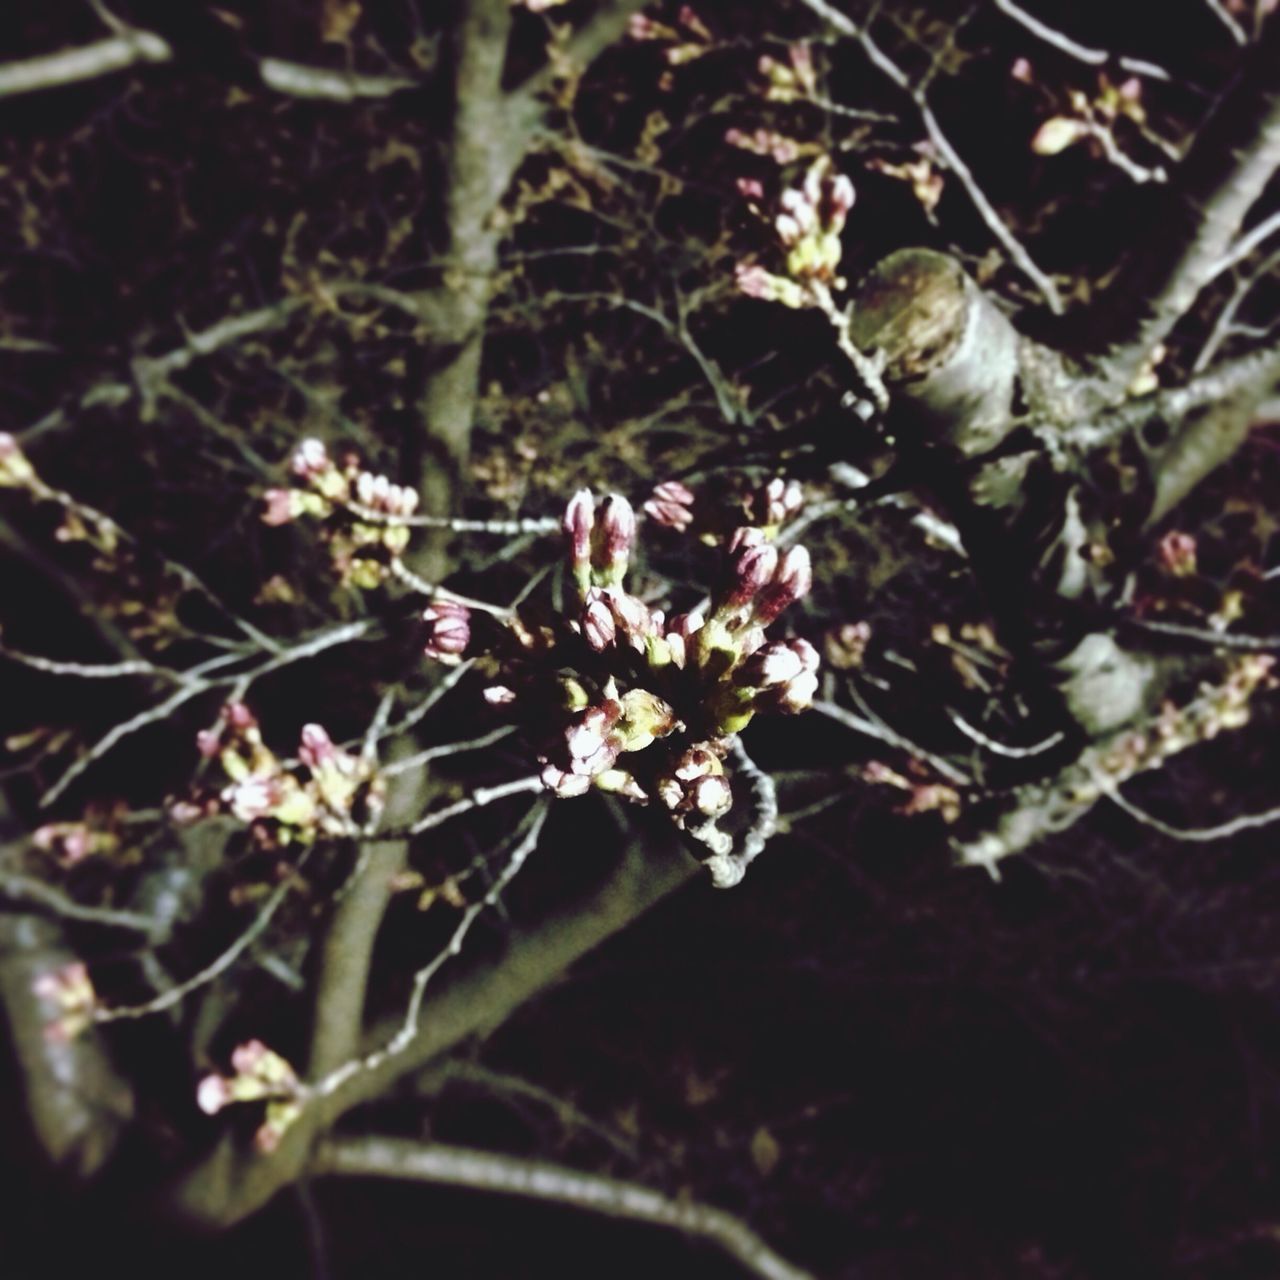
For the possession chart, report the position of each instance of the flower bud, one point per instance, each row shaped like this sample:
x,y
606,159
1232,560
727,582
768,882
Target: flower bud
x,y
711,796
754,565
449,630
598,625
280,506
499,695
310,459
671,506
579,521
791,582
564,785
317,747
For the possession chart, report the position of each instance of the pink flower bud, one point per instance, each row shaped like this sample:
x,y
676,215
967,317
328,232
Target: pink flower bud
x,y
791,582
449,630
317,747
753,568
208,742
579,520
239,717
212,1094
247,1058
499,695
565,785
278,508
598,625
310,459
671,506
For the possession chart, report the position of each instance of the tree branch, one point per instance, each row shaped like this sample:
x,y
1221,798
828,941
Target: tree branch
x,y
540,1180
1225,171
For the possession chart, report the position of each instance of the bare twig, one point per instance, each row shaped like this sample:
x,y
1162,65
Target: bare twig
x,y
176,994
1073,48
337,1076
22,888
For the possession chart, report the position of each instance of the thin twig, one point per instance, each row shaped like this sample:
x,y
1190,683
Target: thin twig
x,y
175,995
530,830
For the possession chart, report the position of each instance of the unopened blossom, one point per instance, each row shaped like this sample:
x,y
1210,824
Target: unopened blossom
x,y
310,459
317,747
791,581
15,470
280,506
591,742
753,566
239,717
253,797
71,992
564,784
579,521
777,502
845,646
671,505
499,695
1178,553
449,630
613,537
598,625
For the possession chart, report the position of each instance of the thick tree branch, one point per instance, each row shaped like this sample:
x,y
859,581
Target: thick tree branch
x,y
540,1180
233,1182
1229,164
136,48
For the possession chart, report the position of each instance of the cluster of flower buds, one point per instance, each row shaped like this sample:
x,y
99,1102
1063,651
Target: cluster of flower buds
x,y
70,993
74,842
363,513
922,797
618,697
690,41
448,631
792,80
766,142
260,1075
812,218
845,646
809,226
337,792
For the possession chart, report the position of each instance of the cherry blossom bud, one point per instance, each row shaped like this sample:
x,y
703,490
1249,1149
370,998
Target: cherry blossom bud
x,y
671,506
449,630
208,742
751,188
593,747
632,618
791,582
774,664
499,695
253,797
579,520
616,535
239,717
565,785
598,625
310,458
279,506
753,568
317,747
212,1094
777,501
364,489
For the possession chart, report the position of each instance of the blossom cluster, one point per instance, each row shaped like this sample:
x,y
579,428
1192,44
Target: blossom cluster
x,y
363,513
808,228
329,796
617,696
260,1074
